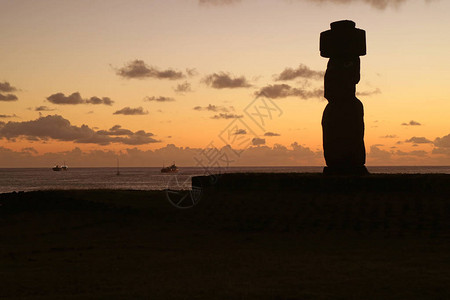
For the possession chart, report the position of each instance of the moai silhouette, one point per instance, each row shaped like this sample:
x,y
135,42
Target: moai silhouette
x,y
343,117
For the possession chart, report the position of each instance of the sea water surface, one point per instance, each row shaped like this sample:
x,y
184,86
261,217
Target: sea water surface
x,y
29,179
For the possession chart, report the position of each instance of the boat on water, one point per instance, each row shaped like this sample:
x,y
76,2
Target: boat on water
x,y
171,169
57,168
64,167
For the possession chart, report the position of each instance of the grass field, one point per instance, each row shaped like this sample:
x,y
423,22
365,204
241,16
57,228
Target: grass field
x,y
239,242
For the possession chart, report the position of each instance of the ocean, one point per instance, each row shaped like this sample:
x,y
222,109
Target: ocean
x,y
30,179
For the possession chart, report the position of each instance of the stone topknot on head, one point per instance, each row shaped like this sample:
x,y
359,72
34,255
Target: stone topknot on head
x,y
343,40
343,25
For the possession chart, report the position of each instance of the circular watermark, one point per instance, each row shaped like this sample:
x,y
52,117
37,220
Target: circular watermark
x,y
181,193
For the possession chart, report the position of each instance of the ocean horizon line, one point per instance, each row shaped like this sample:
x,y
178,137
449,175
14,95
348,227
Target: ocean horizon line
x,y
236,166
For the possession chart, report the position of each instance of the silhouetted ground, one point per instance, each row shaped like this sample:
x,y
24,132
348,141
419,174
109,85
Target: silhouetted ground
x,y
305,237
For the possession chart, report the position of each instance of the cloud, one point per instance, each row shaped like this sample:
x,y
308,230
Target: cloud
x,y
98,158
258,141
271,134
43,108
261,155
60,98
139,69
418,140
8,116
443,142
191,72
369,93
302,71
30,150
412,123
240,131
57,128
305,152
217,2
378,155
6,87
379,4
224,80
8,97
279,155
214,108
444,151
285,90
139,137
97,100
442,147
75,98
131,111
159,99
419,153
389,136
183,88
226,116
115,130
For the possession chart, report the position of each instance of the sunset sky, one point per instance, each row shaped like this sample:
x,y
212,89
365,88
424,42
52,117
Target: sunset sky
x,y
153,82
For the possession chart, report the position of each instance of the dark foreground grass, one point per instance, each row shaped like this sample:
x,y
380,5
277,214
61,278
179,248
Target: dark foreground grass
x,y
237,243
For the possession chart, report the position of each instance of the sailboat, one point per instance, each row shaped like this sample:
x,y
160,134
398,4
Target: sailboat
x,y
64,167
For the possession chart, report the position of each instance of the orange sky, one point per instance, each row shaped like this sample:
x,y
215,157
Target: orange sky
x,y
184,69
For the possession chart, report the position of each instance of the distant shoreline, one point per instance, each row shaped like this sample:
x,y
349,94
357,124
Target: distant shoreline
x,y
129,181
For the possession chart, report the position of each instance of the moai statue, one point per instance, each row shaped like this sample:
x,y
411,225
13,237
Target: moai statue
x,y
343,117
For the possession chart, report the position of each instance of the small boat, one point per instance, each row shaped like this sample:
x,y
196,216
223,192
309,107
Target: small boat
x,y
57,168
171,169
64,167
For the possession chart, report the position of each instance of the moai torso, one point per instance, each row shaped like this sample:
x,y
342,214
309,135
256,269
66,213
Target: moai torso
x,y
343,117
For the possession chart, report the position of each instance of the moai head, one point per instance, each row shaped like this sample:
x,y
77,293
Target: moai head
x,y
341,78
343,44
343,40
